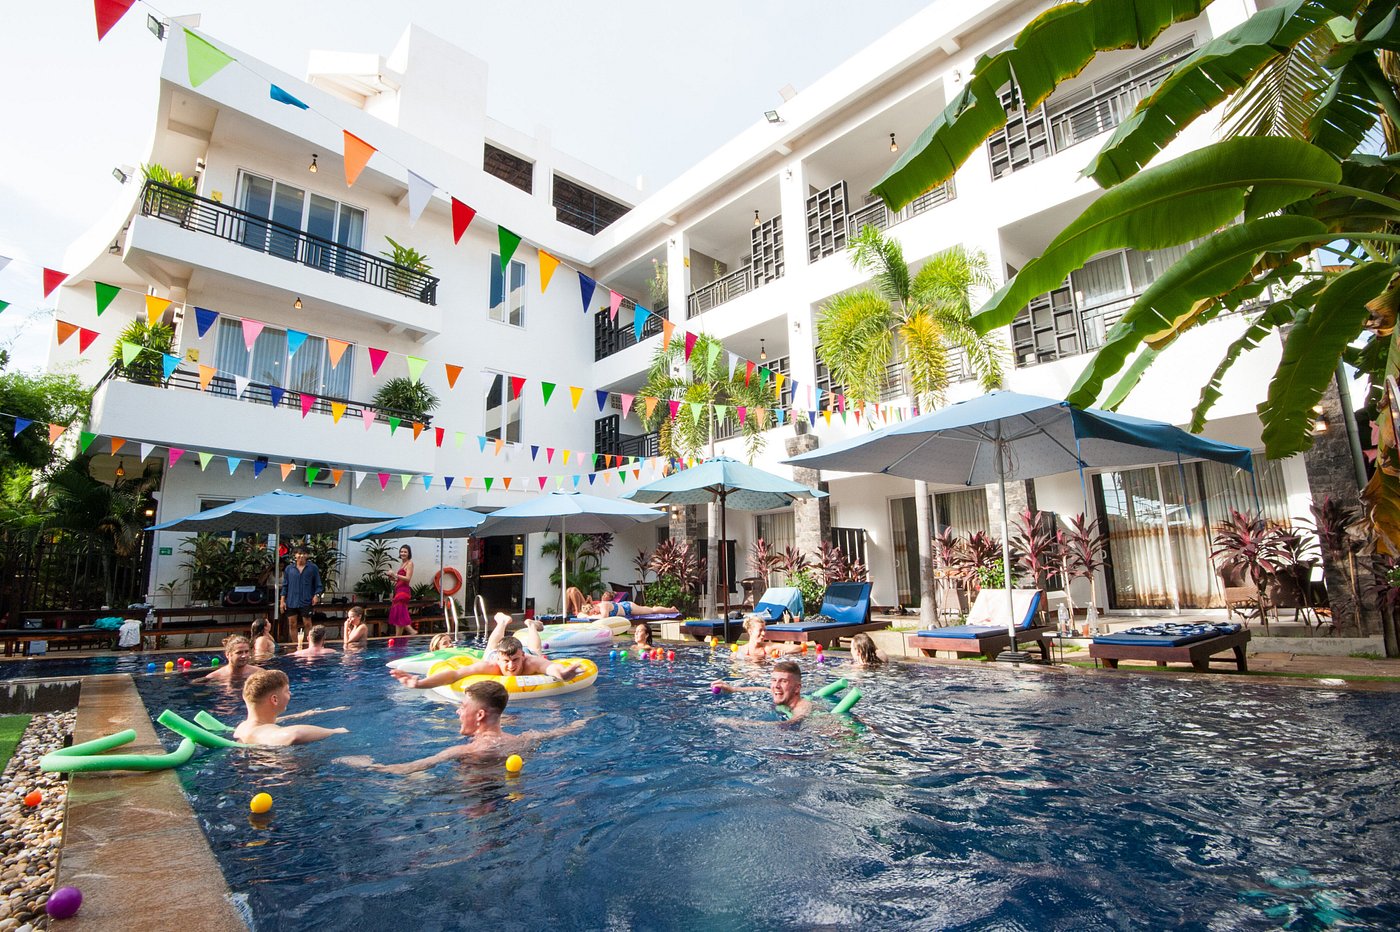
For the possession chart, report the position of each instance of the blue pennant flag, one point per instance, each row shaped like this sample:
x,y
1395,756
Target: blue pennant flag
x,y
585,287
812,416
233,462
639,322
447,482
576,478
276,394
602,399
427,482
170,363
282,97
259,465
591,477
20,424
295,338
204,319
534,452
481,443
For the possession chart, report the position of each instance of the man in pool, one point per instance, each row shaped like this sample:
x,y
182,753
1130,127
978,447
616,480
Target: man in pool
x,y
238,651
785,687
317,647
266,695
508,658
480,715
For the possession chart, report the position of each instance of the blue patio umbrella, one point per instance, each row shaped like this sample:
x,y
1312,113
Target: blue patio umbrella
x,y
440,521
732,484
1007,435
272,513
563,513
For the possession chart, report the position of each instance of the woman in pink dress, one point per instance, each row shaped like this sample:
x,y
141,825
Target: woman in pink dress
x,y
403,591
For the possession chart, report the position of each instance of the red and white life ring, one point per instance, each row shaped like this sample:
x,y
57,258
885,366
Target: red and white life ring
x,y
455,577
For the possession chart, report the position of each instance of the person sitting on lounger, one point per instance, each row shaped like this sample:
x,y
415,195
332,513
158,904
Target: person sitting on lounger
x,y
864,653
576,603
264,644
505,656
266,695
355,634
317,647
238,651
610,606
786,689
480,717
759,648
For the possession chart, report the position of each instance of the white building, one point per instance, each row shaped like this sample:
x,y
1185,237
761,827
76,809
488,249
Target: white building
x,y
753,241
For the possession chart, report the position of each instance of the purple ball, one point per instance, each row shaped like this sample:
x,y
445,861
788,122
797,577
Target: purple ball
x,y
64,903
716,689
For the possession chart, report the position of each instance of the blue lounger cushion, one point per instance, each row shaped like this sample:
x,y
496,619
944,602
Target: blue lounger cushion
x,y
1166,635
961,631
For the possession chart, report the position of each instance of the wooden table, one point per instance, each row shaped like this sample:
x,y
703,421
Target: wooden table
x,y
1197,653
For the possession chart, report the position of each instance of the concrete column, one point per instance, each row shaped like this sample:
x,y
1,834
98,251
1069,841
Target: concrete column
x,y
1331,472
678,272
1020,496
792,204
812,517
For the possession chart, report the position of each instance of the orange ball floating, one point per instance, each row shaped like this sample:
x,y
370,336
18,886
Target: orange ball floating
x,y
260,804
33,798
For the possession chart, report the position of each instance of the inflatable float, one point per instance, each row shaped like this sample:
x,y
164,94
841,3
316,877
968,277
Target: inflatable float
x,y
580,634
90,756
536,686
420,664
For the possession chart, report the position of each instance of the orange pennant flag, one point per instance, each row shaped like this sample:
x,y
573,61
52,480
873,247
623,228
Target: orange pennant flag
x,y
547,266
117,444
452,373
499,445
337,474
55,431
336,349
206,375
506,481
337,412
417,429
466,483
651,405
576,393
287,470
65,330
357,153
666,328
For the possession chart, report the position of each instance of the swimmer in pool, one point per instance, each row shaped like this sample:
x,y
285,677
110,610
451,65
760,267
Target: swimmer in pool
x,y
317,647
480,716
507,658
441,642
641,636
266,695
759,648
355,634
864,653
786,689
238,651
264,644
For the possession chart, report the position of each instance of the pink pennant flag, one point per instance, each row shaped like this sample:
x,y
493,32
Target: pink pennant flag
x,y
175,454
743,414
383,481
376,359
675,406
614,302
548,455
627,403
251,329
307,400
690,339
541,483
368,415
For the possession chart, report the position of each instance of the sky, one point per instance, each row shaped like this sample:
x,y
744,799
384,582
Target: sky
x,y
634,87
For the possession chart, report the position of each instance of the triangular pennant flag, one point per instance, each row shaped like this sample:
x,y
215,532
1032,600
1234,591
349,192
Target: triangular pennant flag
x,y
146,450
295,338
762,377
359,477
748,371
712,353
602,399
461,219
52,280
547,266
129,351
307,400
585,290
420,191
357,154
251,329
639,320
826,415
509,241
466,483
206,375
480,443
650,403
452,373
282,97
505,480
415,367
577,477
667,328
117,444
233,462
542,481
65,330
240,385
778,379
336,476
733,363
488,480
418,427
336,349
204,459
383,481
287,469
517,382
575,392
204,319
108,12
205,61
534,451
394,423
627,403
376,359
337,411
548,389
440,434
607,478
599,460
259,465
427,482
614,302
155,308
591,477
85,338
675,406
690,340
85,440
175,454
275,393
105,295
721,413
170,363
458,439
499,445
367,415
761,416
695,409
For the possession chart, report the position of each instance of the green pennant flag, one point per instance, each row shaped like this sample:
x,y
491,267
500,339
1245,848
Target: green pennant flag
x,y
548,389
311,473
204,459
394,423
405,478
695,409
3,305
762,378
129,351
508,243
205,61
721,412
488,480
597,461
415,367
713,353
105,295
85,440
460,439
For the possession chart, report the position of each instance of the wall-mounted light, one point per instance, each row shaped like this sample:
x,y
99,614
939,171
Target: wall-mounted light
x,y
297,304
762,351
312,167
150,512
122,173
155,26
894,146
199,166
772,116
756,221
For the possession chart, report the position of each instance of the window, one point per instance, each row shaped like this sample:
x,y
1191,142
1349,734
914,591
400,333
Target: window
x,y
582,209
778,530
502,411
509,307
964,512
511,169
316,215
307,370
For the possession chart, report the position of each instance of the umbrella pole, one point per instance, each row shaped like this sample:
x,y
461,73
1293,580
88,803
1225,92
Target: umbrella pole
x,y
1011,654
277,573
442,597
564,568
723,560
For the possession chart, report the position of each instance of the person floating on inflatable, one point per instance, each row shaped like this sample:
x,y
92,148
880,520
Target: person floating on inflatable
x,y
480,715
266,695
507,657
786,689
239,651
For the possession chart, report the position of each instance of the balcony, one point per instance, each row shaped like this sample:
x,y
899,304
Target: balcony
x,y
608,440
882,218
210,217
896,387
610,337
766,264
719,291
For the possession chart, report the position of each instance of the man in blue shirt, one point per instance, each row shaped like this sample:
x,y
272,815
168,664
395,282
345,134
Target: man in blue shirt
x,y
301,589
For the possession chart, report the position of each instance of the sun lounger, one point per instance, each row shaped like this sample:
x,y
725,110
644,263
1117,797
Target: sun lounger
x,y
986,634
1195,644
845,604
777,601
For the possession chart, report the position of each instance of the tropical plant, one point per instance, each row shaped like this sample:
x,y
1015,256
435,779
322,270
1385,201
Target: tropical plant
x,y
1083,553
642,564
1245,543
1036,545
667,590
404,398
763,560
404,257
423,592
812,589
679,560
980,551
834,566
1319,185
161,175
156,342
706,396
217,563
792,561
375,585
1295,555
659,286
585,552
991,577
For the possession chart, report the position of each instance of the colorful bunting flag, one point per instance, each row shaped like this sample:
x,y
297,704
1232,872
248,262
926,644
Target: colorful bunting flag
x,y
105,295
547,266
602,399
204,459
509,242
52,280
117,444
575,392
614,302
170,363
357,155
251,329
108,12
585,288
336,349
287,469
295,338
203,319
420,192
259,465
548,389
282,97
690,340
667,328
452,373
461,219
367,415
85,338
337,411
233,462
155,308
376,359
418,427
415,367
517,382
440,434
275,393
205,60
175,454
240,385
394,423
307,400
639,321
627,403
206,375
383,481
336,476
65,330
85,440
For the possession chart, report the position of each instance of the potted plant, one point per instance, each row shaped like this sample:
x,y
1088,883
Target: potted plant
x,y
1244,546
375,585
677,561
1084,552
148,366
407,259
659,286
404,398
171,204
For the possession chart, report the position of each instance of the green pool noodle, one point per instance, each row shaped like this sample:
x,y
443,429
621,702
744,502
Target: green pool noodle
x,y
830,688
188,729
205,720
89,758
848,700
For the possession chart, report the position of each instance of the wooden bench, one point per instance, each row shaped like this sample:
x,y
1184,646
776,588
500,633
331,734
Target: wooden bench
x,y
18,640
1197,653
988,645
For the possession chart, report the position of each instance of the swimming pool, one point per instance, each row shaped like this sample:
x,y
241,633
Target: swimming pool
x,y
976,798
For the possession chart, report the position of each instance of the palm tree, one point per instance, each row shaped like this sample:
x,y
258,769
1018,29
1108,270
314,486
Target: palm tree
x,y
920,320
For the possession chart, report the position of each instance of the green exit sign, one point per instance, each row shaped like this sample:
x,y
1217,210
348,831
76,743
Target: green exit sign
x,y
167,551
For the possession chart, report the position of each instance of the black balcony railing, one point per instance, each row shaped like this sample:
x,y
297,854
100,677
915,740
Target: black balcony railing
x,y
276,239
719,291
880,217
609,337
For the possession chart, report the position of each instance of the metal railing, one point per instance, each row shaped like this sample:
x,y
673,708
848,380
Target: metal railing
x,y
287,242
719,291
1090,112
880,217
644,445
610,338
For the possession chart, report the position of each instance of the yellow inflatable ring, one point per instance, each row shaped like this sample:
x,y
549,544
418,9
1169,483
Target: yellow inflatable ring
x,y
534,686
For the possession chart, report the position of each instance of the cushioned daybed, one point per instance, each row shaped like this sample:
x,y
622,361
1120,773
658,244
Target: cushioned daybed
x,y
776,600
986,634
845,611
1174,643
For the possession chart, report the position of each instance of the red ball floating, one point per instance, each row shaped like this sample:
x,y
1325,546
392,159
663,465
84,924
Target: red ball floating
x,y
33,798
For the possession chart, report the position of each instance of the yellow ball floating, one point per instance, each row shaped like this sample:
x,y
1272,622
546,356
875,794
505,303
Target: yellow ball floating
x,y
514,763
260,803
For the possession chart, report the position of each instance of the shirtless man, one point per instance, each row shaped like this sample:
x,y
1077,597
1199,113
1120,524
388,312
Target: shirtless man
x,y
759,647
356,631
507,658
785,688
239,652
480,715
317,647
266,695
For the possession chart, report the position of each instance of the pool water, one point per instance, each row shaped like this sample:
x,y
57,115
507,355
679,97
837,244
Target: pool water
x,y
973,798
